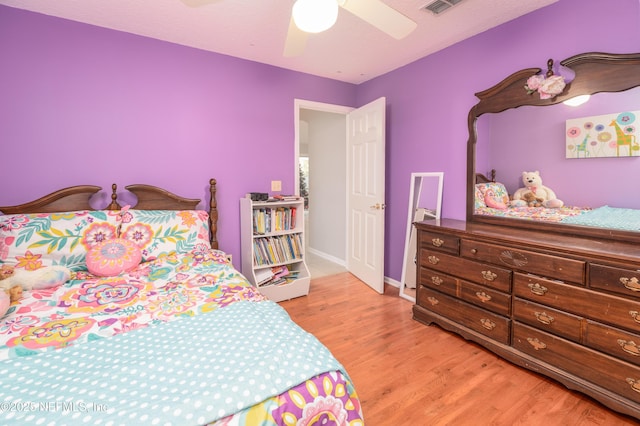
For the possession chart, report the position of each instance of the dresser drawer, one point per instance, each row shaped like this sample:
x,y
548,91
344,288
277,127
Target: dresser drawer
x,y
537,263
617,280
488,275
442,242
487,298
548,319
477,319
613,310
619,343
601,369
439,281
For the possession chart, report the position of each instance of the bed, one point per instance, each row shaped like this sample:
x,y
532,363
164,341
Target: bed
x,y
180,337
487,189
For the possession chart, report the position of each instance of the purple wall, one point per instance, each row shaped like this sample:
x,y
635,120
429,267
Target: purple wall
x,y
86,105
428,101
81,104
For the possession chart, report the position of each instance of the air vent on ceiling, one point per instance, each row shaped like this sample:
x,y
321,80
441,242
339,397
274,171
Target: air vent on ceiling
x,y
439,6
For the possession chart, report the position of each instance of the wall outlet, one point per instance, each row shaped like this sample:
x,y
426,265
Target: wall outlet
x,y
276,185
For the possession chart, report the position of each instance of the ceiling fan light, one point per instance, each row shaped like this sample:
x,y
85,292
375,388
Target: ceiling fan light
x,y
315,16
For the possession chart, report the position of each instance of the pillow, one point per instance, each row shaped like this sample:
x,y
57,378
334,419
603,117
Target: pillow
x,y
113,257
165,231
479,198
494,194
32,241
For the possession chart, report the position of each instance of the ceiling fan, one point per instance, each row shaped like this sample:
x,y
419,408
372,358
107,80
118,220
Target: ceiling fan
x,y
374,12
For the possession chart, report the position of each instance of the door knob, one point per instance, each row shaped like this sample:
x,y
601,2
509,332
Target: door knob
x,y
378,206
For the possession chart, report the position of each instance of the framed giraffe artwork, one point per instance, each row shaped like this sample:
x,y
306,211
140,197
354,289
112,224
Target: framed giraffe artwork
x,y
609,135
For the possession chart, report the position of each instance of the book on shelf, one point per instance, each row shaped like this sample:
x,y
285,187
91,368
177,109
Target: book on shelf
x,y
284,197
275,276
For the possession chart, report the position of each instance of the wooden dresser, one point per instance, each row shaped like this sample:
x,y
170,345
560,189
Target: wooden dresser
x,y
566,307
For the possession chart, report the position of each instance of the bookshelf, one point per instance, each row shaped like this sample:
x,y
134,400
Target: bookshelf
x,y
272,240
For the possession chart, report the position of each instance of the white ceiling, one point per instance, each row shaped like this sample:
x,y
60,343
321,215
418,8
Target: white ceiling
x,y
351,51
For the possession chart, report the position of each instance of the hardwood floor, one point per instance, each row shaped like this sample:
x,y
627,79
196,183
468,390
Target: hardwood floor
x,y
406,373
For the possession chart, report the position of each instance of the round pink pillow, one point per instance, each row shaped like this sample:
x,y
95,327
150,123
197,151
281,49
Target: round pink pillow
x,y
112,257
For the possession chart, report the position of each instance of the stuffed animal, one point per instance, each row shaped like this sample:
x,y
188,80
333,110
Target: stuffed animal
x,y
531,199
533,183
19,279
11,293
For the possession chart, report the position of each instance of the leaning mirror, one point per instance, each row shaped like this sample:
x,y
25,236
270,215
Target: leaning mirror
x,y
593,166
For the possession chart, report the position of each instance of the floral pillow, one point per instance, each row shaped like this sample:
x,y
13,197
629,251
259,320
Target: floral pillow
x,y
492,194
112,257
32,241
165,231
479,198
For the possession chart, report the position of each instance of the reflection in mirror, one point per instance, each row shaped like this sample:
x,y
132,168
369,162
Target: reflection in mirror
x,y
425,202
532,138
515,134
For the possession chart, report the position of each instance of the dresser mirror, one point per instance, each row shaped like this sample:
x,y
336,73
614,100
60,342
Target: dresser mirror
x,y
613,80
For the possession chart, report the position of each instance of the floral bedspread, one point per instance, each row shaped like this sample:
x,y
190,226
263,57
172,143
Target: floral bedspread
x,y
199,289
532,213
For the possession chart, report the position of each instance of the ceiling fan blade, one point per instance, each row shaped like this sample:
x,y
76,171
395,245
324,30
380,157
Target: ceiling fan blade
x,y
381,16
198,3
296,40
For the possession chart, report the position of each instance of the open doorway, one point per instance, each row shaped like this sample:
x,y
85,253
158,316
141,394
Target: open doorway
x,y
321,170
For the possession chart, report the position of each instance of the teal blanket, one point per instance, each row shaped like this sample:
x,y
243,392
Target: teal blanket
x,y
207,366
608,217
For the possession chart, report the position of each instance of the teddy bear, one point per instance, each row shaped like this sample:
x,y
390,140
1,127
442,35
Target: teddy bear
x,y
12,292
15,281
531,199
533,183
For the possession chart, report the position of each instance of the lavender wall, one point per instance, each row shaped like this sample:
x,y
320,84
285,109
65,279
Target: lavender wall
x,y
428,100
82,104
79,102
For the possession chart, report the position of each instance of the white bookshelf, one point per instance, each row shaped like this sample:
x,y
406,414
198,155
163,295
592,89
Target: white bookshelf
x,y
272,238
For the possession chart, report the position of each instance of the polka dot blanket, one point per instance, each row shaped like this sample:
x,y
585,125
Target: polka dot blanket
x,y
179,340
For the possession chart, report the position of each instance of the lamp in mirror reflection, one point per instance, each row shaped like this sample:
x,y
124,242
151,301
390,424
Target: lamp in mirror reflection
x,y
577,100
315,16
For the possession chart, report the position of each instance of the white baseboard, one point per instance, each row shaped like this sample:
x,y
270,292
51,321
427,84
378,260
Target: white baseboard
x,y
326,256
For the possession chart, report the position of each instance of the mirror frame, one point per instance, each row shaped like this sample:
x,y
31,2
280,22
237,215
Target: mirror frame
x,y
595,72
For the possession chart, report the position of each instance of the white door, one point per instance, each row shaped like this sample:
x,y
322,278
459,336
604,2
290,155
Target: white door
x,y
366,193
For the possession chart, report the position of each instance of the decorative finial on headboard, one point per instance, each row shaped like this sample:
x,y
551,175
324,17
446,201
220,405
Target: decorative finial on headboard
x,y
213,213
114,204
549,68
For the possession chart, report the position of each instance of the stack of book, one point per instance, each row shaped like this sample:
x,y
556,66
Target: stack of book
x,y
277,249
275,276
267,220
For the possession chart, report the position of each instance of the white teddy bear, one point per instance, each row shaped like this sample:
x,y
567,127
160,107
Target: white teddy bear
x,y
533,182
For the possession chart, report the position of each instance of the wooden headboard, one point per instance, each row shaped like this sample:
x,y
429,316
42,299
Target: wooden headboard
x,y
480,178
149,198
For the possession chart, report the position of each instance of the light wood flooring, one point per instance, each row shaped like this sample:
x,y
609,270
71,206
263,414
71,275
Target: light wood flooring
x,y
406,373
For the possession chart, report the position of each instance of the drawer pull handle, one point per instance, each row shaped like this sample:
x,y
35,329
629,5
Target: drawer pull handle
x,y
635,315
489,276
437,242
436,280
433,300
484,297
488,324
433,260
544,318
474,251
630,283
629,346
538,289
635,384
537,344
